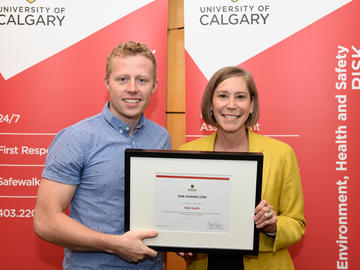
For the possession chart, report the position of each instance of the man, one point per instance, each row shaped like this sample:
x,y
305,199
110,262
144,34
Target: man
x,y
85,169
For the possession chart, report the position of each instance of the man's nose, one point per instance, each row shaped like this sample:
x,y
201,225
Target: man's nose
x,y
132,87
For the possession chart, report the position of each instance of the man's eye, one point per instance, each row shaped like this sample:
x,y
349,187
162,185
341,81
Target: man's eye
x,y
121,79
142,80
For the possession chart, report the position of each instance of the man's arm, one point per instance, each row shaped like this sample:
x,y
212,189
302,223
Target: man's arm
x,y
53,225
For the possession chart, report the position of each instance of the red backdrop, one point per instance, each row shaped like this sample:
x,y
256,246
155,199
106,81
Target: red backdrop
x,y
48,96
300,103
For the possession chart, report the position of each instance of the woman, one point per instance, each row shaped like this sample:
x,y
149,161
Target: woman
x,y
230,103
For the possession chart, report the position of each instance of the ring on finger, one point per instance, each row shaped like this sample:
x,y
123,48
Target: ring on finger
x,y
270,214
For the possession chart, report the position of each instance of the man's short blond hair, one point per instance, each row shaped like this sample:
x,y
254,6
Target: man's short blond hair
x,y
130,48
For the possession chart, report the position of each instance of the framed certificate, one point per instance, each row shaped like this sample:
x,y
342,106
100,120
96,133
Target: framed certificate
x,y
197,201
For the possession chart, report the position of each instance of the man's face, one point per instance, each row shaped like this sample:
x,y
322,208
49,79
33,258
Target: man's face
x,y
131,84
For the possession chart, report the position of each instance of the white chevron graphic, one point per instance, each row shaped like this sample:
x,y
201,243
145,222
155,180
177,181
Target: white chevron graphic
x,y
32,32
219,33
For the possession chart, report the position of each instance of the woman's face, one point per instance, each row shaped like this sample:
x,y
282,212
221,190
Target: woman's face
x,y
232,104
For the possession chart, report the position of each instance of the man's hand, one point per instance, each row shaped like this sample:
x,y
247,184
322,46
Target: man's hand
x,y
130,247
53,225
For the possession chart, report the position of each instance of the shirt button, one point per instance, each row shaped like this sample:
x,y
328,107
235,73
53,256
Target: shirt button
x,y
133,142
121,131
127,128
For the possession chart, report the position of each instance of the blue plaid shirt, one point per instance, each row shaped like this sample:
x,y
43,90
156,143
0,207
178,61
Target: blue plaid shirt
x,y
90,154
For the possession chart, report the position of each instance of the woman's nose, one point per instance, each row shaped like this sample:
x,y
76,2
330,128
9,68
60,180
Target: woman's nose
x,y
231,102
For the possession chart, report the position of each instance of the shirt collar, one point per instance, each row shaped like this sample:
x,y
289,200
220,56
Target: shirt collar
x,y
117,124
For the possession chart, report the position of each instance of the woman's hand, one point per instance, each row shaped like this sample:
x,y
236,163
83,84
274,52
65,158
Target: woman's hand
x,y
265,217
187,256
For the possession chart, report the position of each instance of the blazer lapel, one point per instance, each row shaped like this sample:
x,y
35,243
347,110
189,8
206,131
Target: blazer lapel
x,y
256,145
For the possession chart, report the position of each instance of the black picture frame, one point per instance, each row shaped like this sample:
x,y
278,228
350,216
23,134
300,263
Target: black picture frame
x,y
142,166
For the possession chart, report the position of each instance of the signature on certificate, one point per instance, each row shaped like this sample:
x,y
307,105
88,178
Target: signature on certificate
x,y
214,225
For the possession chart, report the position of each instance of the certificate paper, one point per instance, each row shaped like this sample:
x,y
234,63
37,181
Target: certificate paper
x,y
197,201
191,202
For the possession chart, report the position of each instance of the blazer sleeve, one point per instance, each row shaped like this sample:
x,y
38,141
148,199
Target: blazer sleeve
x,y
291,222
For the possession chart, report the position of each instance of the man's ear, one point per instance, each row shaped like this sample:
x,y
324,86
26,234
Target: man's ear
x,y
106,81
154,86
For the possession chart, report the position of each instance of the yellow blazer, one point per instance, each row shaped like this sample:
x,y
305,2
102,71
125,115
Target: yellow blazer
x,y
281,187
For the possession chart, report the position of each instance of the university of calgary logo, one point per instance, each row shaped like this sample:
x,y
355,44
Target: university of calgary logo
x,y
31,1
192,188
